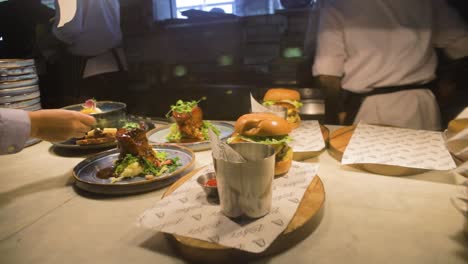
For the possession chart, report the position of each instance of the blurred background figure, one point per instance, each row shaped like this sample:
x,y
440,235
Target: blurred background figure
x,y
377,62
94,61
22,24
18,22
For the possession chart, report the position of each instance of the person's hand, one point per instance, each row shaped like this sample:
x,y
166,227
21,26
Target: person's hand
x,y
59,125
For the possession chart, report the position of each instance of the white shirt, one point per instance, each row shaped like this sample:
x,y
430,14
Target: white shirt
x,y
15,127
377,43
91,28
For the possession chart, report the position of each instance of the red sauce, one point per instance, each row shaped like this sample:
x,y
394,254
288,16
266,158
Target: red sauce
x,y
211,183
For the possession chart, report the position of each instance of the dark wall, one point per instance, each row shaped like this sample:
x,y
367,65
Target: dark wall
x,y
223,59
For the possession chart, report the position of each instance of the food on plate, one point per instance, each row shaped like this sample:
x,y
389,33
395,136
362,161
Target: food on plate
x,y
104,135
269,129
98,136
189,126
288,98
138,158
133,125
90,107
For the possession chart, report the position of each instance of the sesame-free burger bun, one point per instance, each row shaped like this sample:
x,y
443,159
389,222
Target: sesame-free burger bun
x,y
278,94
282,166
262,124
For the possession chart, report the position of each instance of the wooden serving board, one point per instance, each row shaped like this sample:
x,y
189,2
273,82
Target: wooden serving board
x,y
339,140
306,219
311,154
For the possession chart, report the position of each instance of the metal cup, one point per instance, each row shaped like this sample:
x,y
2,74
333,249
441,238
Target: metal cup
x,y
246,188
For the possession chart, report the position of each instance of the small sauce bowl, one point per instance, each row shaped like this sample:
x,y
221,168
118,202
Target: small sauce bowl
x,y
209,184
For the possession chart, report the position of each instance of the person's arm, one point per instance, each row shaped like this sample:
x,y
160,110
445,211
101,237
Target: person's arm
x,y
334,110
16,126
14,130
59,125
329,62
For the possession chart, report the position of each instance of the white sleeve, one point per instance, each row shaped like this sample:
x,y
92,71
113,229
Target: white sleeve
x,y
68,24
15,128
450,31
330,53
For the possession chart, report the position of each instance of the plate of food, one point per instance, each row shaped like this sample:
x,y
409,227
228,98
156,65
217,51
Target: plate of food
x,y
107,113
109,116
136,166
97,138
189,129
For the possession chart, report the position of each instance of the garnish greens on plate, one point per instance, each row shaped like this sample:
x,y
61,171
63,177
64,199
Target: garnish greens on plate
x,y
189,126
138,158
132,166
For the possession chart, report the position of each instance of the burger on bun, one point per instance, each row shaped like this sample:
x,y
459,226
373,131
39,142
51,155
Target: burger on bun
x,y
288,98
269,129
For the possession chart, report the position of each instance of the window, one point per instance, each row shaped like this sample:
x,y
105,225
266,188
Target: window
x,y
228,6
170,9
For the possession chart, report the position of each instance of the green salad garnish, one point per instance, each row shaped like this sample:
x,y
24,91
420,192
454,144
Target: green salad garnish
x,y
175,135
130,125
270,140
296,104
129,159
132,166
268,103
206,126
182,107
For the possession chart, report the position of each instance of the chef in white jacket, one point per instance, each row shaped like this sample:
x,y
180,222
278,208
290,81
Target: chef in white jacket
x,y
381,53
91,30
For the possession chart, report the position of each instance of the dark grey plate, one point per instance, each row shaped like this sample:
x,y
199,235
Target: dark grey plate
x,y
15,84
20,97
158,135
85,172
14,78
71,144
15,63
34,107
19,90
17,71
22,104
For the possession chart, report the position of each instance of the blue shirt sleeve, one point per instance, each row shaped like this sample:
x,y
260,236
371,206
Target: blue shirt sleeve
x,y
15,127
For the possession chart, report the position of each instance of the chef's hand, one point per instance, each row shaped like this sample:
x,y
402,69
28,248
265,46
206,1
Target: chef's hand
x,y
59,125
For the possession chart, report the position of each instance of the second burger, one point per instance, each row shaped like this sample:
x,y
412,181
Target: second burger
x,y
288,98
269,129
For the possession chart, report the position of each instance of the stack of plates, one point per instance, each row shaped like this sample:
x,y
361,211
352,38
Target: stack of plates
x,y
19,86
